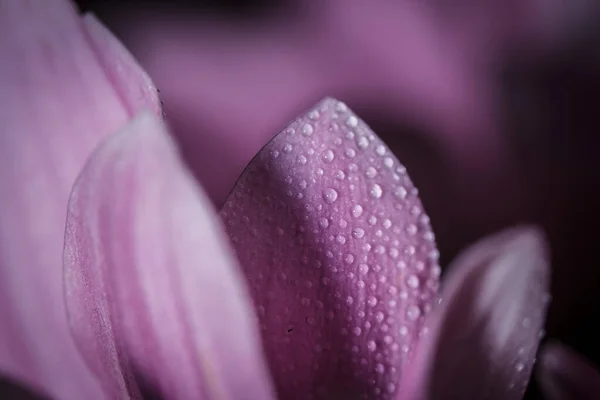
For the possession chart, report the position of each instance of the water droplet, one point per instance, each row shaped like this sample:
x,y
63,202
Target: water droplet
x,y
305,302
380,249
349,300
349,258
357,331
400,192
413,312
287,148
313,114
391,387
388,162
379,316
380,150
410,250
352,121
350,153
411,229
363,268
393,252
324,222
371,172
353,167
372,301
307,129
387,224
341,107
371,345
358,233
376,191
372,220
340,239
413,281
379,368
328,155
357,210
362,142
403,330
302,159
519,367
330,195
340,175
388,339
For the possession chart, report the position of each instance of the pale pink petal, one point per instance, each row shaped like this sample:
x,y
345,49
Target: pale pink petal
x,y
566,375
339,255
56,103
154,297
482,339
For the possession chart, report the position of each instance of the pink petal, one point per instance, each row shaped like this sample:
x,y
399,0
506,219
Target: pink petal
x,y
339,254
483,338
56,104
566,375
226,89
151,289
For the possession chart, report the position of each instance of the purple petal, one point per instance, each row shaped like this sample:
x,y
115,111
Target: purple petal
x,y
151,289
339,254
566,375
55,106
482,339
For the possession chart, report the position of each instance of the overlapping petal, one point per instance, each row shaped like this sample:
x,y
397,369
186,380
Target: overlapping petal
x,y
56,104
339,255
566,375
483,338
155,300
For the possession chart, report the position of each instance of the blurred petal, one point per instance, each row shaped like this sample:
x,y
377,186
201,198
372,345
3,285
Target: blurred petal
x,y
339,254
566,375
56,103
482,339
154,298
132,84
228,88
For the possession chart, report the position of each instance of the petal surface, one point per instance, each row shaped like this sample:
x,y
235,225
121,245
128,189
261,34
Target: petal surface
x,y
566,375
339,255
56,103
155,299
481,341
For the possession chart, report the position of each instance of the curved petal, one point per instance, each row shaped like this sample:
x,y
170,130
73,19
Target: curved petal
x,y
226,89
482,339
56,104
339,254
566,375
154,298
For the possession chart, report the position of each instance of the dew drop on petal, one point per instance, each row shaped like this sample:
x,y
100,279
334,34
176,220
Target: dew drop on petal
x,y
357,210
330,195
376,191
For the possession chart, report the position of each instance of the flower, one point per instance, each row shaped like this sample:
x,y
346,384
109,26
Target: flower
x,y
341,265
157,297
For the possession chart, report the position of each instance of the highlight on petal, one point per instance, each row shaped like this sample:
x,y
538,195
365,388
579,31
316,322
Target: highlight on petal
x,y
153,295
339,254
566,375
56,105
483,337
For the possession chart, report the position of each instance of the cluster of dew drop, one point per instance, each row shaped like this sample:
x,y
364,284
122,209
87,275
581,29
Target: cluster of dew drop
x,y
330,192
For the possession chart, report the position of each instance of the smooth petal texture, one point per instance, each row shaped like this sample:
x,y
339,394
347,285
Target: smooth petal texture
x,y
56,103
482,339
339,255
154,298
566,375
